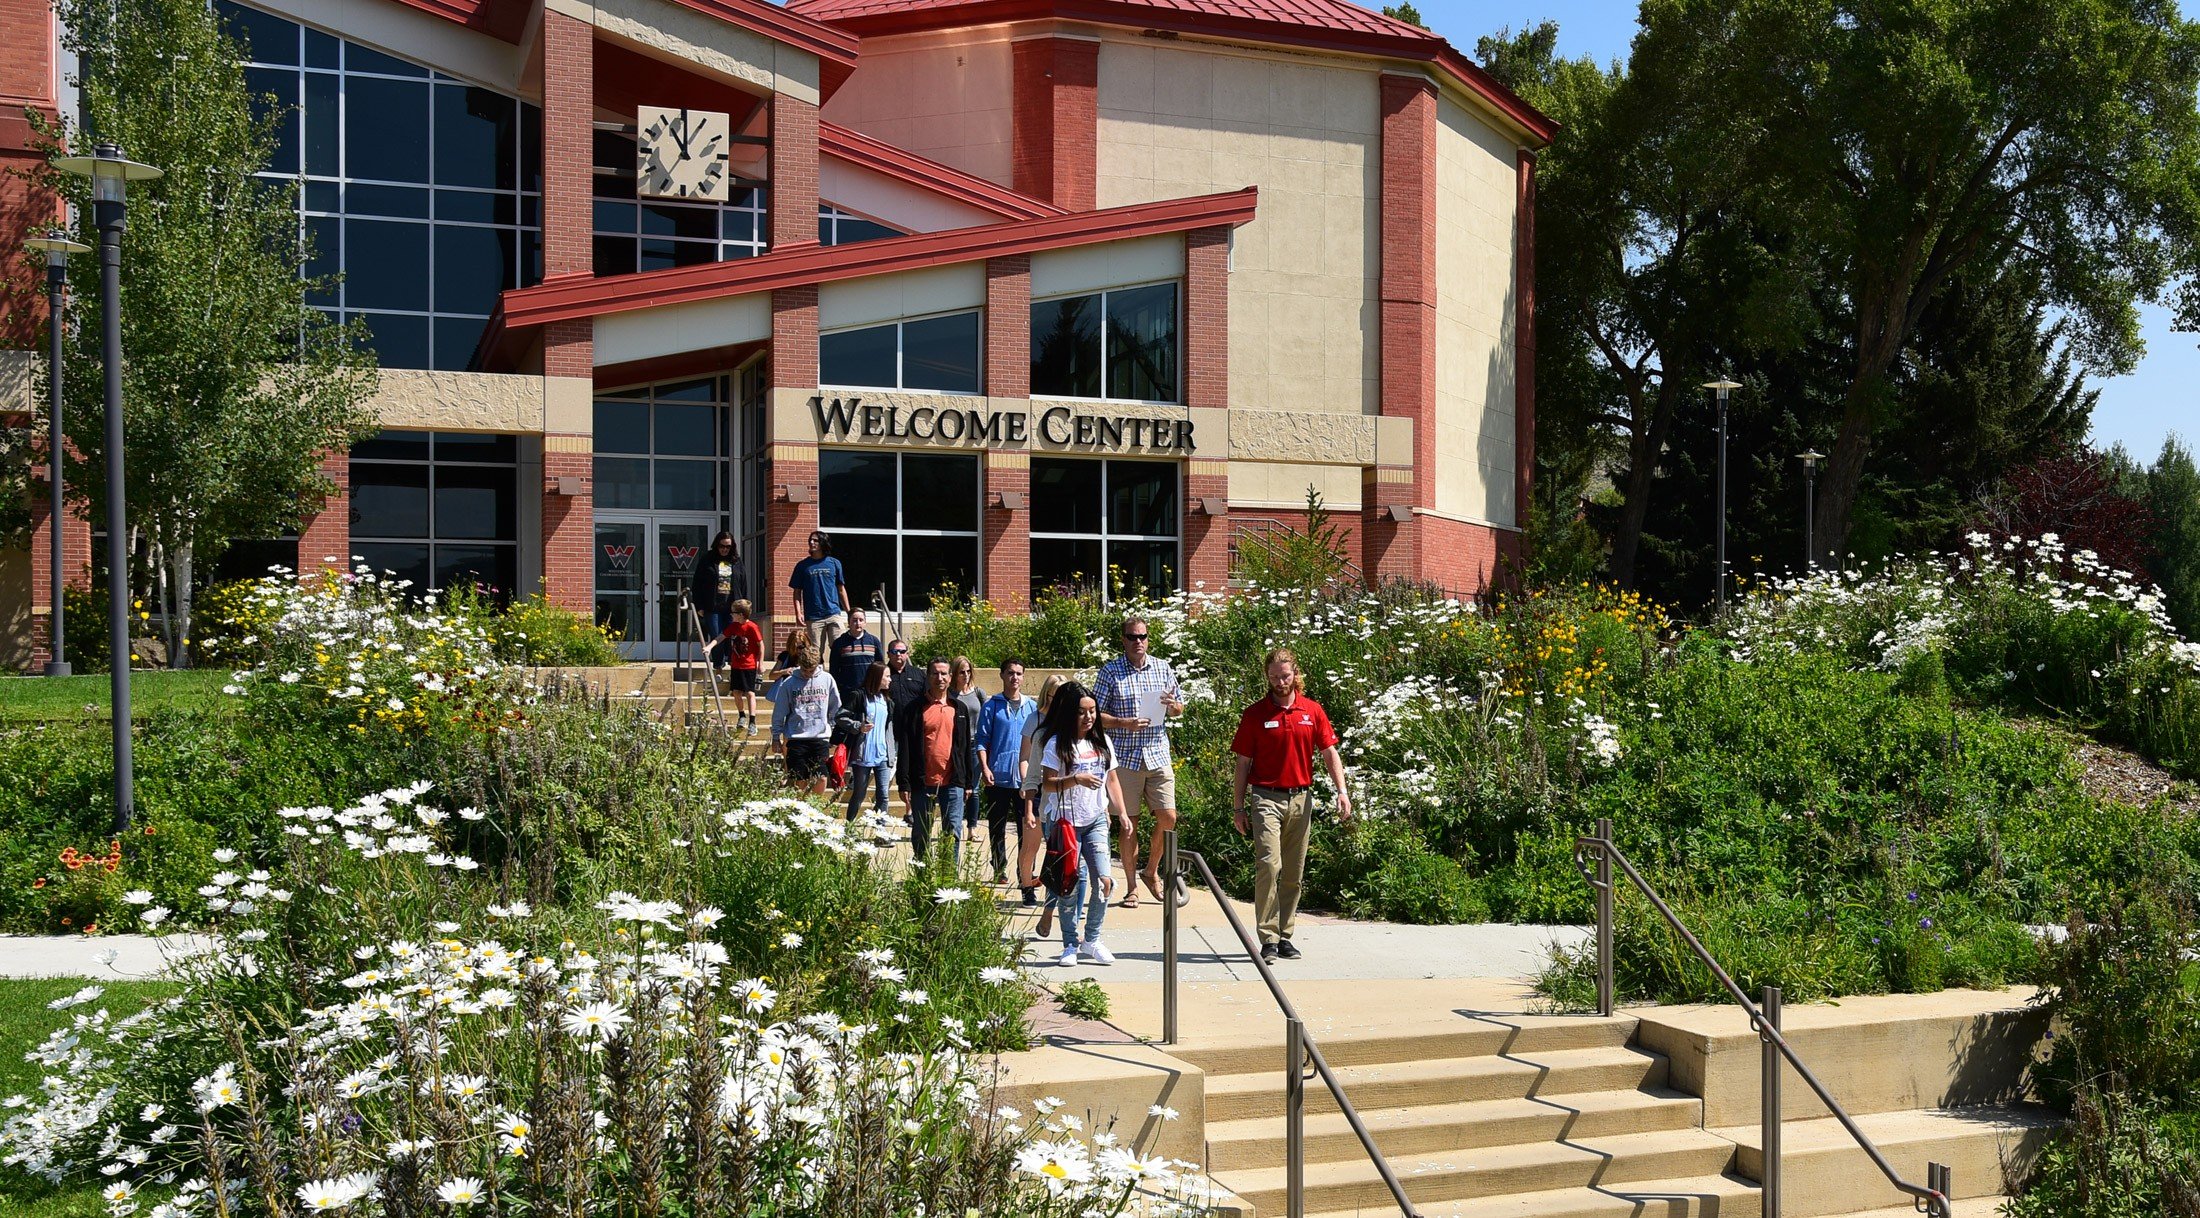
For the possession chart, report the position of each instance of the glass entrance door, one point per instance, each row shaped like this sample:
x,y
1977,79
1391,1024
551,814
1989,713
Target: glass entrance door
x,y
643,564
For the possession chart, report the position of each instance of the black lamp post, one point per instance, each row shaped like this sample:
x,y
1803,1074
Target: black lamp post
x,y
1722,388
111,173
57,247
1810,459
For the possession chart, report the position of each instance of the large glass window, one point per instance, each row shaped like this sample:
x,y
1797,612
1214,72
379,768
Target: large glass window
x,y
1119,344
637,234
438,508
663,448
837,227
1106,524
424,191
908,521
937,353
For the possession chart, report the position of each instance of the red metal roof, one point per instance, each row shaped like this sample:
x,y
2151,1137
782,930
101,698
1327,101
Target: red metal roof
x,y
860,149
1336,25
808,263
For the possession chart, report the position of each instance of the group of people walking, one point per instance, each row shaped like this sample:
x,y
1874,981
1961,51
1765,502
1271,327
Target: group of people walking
x,y
1064,767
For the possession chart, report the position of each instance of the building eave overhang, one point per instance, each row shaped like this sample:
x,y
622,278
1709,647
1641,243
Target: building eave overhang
x,y
1533,127
578,297
858,149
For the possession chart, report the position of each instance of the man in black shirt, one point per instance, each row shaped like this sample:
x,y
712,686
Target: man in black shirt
x,y
854,651
907,684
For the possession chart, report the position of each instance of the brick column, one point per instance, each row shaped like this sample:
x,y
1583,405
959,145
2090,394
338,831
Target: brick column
x,y
1055,128
324,543
787,524
76,565
568,347
568,465
1207,386
1524,345
793,173
1408,320
1005,538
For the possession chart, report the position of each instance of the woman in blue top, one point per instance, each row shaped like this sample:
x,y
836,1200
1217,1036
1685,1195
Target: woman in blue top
x,y
871,756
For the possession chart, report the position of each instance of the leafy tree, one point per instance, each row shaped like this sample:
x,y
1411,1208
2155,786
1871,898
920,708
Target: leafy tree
x,y
1405,12
2076,496
2170,490
233,387
1644,267
1902,144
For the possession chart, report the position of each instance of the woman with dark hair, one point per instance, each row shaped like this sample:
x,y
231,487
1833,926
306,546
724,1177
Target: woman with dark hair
x,y
718,582
871,754
1079,791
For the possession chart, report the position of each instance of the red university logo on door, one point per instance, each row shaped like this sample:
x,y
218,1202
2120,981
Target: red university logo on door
x,y
683,557
620,556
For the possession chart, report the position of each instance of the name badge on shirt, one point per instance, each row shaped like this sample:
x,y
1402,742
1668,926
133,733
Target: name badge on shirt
x,y
1273,723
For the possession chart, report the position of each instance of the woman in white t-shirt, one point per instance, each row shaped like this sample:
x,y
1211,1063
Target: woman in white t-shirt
x,y
1078,788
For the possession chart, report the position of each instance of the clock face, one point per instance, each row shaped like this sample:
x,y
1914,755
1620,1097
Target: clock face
x,y
682,153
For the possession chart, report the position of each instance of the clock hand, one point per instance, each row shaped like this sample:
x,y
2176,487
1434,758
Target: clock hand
x,y
680,134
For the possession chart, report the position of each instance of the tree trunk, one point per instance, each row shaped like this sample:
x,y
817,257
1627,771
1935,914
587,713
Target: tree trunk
x,y
1844,473
179,652
1643,451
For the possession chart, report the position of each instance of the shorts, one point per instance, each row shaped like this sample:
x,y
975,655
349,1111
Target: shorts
x,y
807,757
1157,788
742,680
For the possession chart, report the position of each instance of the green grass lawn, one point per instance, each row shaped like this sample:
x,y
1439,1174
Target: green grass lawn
x,y
86,697
24,1022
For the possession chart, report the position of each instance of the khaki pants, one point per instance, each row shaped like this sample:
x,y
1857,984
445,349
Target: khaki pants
x,y
822,632
1280,825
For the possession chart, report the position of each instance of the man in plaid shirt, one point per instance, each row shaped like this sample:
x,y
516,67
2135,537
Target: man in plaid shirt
x,y
1142,763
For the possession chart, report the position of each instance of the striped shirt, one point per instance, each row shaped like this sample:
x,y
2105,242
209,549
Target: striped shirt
x,y
1116,693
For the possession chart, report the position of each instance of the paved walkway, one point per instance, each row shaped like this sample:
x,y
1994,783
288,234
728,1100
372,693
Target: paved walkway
x,y
135,957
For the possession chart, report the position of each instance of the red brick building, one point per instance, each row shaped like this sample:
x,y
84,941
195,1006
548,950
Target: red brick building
x,y
1002,294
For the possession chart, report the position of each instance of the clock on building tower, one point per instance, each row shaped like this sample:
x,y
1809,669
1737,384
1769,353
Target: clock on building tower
x,y
682,153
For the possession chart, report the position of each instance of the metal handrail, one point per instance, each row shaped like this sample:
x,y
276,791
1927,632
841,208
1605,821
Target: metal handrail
x,y
1299,1049
702,642
1930,1198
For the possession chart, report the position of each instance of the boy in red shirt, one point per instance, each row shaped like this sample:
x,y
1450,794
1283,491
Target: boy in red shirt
x,y
744,649
1276,740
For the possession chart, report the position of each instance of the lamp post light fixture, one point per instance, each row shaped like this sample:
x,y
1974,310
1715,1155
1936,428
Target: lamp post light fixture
x,y
1810,458
56,245
111,174
1722,388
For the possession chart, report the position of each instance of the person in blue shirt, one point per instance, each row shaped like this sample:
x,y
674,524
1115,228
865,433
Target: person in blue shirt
x,y
871,755
821,595
1000,743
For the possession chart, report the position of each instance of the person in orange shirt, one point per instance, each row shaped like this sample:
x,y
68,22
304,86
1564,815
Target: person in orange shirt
x,y
937,763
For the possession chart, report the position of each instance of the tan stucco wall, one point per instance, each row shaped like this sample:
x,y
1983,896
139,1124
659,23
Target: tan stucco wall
x,y
1186,120
417,399
1476,202
1266,484
696,326
945,97
876,298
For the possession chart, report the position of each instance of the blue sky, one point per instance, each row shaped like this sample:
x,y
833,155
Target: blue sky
x,y
2137,411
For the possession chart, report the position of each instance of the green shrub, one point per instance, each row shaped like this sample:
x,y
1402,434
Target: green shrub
x,y
1084,998
532,631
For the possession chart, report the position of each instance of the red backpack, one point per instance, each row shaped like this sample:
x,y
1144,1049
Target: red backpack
x,y
1058,871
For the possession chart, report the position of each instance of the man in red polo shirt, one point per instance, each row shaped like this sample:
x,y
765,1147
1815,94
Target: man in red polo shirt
x,y
1276,741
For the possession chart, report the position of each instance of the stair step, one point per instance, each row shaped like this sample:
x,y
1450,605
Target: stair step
x,y
1232,1097
1707,1196
1258,1142
1965,1207
1494,1171
1463,1036
1823,1172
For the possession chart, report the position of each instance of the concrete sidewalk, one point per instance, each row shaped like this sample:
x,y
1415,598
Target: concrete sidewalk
x,y
1335,948
136,957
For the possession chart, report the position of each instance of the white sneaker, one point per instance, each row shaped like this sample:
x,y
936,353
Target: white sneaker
x,y
1097,952
1069,959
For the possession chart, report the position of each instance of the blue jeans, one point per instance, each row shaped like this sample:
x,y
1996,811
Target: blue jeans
x,y
1090,894
950,802
714,629
860,777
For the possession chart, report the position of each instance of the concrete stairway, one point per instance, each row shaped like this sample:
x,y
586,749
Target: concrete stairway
x,y
1561,1118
